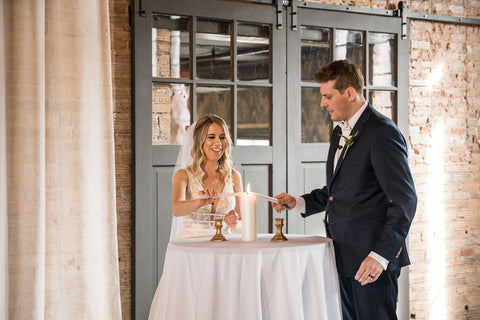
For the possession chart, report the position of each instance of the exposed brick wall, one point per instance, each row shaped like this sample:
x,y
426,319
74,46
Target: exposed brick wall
x,y
120,32
445,159
161,93
446,228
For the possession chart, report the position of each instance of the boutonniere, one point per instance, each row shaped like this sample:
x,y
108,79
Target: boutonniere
x,y
349,140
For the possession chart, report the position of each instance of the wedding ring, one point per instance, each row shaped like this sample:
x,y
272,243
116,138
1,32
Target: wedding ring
x,y
371,276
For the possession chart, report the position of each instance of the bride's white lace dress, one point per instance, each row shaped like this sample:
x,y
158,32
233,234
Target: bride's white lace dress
x,y
201,222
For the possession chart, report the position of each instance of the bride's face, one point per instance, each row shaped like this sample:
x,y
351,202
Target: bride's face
x,y
214,144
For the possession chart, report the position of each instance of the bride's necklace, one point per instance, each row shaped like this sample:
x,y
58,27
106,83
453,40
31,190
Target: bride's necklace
x,y
210,183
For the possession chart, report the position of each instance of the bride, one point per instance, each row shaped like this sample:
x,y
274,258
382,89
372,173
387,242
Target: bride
x,y
203,171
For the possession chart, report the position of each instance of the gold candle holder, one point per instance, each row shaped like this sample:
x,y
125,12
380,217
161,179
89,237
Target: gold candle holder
x,y
218,233
279,235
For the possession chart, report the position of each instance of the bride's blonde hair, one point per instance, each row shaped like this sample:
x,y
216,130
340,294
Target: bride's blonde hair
x,y
225,163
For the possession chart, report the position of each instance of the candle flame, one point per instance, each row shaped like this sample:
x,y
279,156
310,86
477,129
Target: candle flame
x,y
248,187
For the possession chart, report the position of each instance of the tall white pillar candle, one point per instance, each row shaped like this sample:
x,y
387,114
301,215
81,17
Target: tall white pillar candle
x,y
248,207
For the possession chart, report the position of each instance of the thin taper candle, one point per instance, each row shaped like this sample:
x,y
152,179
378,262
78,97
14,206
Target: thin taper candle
x,y
239,194
265,197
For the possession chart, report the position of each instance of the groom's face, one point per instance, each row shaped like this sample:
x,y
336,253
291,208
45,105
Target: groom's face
x,y
335,102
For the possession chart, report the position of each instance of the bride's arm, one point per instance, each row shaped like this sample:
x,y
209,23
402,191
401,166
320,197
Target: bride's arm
x,y
237,187
180,206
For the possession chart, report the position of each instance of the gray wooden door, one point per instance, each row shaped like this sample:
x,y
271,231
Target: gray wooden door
x,y
370,38
200,57
253,64
321,36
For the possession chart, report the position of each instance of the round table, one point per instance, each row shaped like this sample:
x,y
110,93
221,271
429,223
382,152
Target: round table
x,y
261,279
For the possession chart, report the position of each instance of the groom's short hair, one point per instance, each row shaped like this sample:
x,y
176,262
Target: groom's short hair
x,y
344,72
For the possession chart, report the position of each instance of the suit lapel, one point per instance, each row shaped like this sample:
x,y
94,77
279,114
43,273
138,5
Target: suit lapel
x,y
331,152
358,127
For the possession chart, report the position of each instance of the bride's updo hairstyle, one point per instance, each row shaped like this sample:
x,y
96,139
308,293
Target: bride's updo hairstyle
x,y
225,163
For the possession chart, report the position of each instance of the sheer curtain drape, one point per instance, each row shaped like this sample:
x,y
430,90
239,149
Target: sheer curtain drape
x,y
57,153
3,180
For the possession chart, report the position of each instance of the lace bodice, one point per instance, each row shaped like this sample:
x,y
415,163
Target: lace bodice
x,y
202,221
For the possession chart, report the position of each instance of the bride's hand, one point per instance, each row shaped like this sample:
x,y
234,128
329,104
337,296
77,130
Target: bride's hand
x,y
231,219
209,194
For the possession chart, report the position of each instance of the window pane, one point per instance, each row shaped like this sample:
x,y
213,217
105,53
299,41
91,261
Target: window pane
x,y
316,122
253,52
315,50
213,52
385,102
349,45
170,47
382,70
170,113
216,100
254,115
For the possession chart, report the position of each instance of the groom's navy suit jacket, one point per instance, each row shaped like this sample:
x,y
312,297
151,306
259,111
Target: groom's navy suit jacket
x,y
370,199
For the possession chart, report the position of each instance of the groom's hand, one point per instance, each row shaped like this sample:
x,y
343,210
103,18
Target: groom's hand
x,y
285,201
369,271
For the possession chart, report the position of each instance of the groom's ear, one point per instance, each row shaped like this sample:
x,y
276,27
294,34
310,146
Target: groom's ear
x,y
351,93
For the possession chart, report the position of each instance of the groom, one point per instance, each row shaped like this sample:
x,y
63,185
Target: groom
x,y
369,200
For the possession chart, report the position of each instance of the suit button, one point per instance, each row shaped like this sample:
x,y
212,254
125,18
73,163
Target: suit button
x,y
331,198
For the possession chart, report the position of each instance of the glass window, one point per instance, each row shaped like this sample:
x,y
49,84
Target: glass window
x,y
349,45
170,113
253,52
382,71
217,100
254,117
315,50
316,122
385,102
170,47
213,50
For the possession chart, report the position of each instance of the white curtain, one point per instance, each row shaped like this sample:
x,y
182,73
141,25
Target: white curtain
x,y
57,153
3,180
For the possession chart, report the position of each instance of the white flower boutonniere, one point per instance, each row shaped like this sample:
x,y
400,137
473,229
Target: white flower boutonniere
x,y
349,140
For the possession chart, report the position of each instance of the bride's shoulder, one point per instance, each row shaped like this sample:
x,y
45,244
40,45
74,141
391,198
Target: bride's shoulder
x,y
235,173
181,174
187,174
236,177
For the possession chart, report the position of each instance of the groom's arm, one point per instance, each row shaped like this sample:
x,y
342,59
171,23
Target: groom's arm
x,y
390,163
315,201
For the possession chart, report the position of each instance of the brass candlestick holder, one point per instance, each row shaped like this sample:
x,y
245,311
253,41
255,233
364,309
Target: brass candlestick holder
x,y
279,235
218,233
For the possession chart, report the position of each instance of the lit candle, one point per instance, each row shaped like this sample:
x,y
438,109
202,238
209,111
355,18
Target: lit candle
x,y
248,207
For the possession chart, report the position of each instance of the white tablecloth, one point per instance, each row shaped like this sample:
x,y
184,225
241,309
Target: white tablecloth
x,y
262,279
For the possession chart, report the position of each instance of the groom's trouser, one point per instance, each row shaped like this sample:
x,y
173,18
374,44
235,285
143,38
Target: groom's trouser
x,y
373,301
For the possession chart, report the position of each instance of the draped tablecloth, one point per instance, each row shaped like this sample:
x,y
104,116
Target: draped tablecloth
x,y
261,279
